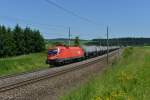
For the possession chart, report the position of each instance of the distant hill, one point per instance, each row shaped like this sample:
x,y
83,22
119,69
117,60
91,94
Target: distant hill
x,y
64,41
127,41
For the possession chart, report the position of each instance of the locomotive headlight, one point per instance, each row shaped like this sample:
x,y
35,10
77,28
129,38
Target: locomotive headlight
x,y
54,57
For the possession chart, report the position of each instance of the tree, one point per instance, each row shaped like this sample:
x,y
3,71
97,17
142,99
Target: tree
x,y
77,41
19,40
9,43
39,45
28,40
2,32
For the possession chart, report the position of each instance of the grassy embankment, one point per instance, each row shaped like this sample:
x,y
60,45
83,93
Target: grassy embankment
x,y
127,79
23,63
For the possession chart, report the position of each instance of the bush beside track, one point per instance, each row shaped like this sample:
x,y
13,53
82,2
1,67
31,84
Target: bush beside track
x,y
127,79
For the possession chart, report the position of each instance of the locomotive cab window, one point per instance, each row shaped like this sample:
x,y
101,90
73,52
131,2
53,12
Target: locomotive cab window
x,y
52,52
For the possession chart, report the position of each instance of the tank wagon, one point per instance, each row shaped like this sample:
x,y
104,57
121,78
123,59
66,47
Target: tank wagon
x,y
60,55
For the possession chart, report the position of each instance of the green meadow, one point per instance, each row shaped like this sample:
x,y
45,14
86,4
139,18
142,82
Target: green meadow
x,y
126,79
23,63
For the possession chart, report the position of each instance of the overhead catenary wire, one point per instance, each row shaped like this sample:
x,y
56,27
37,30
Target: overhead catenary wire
x,y
71,12
31,23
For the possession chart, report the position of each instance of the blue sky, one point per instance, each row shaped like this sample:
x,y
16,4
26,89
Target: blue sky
x,y
126,18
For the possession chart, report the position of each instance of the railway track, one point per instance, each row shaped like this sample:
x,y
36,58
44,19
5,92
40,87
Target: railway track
x,y
75,66
23,73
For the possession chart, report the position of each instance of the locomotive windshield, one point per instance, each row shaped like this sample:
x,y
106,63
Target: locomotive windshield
x,y
52,52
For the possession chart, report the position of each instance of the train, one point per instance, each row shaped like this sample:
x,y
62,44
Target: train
x,y
60,55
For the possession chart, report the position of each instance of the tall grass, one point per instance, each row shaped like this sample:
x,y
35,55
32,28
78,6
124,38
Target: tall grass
x,y
127,79
22,63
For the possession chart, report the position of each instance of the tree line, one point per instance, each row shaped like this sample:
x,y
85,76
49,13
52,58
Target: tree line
x,y
121,41
64,41
18,41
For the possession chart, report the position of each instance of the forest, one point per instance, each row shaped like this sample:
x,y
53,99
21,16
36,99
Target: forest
x,y
18,41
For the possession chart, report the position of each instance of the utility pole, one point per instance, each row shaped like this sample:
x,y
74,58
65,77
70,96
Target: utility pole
x,y
118,47
100,43
107,45
69,37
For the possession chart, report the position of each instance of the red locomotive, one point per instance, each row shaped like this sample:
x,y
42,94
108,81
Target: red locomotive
x,y
64,54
